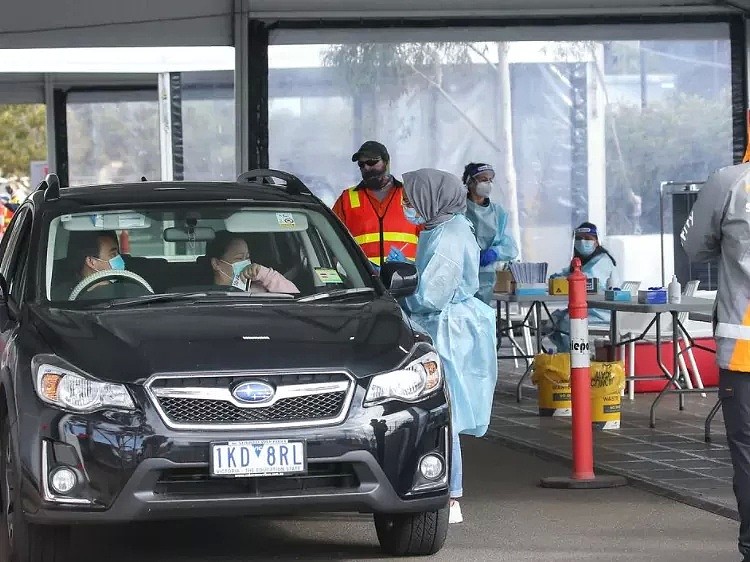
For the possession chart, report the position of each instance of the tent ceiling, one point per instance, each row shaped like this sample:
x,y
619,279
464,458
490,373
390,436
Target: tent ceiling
x,y
89,23
302,9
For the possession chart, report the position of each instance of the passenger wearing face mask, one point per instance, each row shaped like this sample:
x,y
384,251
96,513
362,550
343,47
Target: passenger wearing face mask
x,y
489,220
596,262
231,265
372,212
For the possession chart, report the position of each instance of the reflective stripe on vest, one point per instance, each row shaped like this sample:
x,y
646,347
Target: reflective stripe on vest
x,y
388,237
354,201
732,331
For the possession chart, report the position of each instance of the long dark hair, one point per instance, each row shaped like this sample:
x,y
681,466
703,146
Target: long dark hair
x,y
599,249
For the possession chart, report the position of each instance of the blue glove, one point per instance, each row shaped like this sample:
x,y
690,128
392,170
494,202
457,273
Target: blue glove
x,y
396,255
487,257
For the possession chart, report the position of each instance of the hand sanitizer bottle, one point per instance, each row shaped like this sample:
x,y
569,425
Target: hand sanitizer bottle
x,y
674,291
610,282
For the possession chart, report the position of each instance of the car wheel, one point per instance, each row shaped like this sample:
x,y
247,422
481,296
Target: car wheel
x,y
21,541
412,534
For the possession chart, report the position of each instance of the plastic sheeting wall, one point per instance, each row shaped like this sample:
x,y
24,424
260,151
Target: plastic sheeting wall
x,y
594,125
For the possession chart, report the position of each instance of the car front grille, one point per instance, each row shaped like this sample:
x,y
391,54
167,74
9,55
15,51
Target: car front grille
x,y
196,482
205,401
300,408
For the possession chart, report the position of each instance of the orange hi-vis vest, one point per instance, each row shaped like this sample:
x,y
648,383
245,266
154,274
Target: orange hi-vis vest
x,y
377,231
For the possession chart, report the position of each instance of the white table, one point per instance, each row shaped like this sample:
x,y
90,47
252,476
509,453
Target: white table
x,y
692,305
536,303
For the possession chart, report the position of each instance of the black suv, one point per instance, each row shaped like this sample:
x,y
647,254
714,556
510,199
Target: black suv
x,y
156,391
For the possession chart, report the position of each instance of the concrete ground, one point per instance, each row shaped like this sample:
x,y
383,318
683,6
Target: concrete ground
x,y
508,518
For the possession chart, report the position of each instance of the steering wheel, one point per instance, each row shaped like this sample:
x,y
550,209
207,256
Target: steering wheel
x,y
106,275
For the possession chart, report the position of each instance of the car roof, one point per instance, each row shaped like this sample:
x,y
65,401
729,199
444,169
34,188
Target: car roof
x,y
177,191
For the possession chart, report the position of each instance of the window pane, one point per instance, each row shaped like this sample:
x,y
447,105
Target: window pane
x,y
208,125
113,141
577,130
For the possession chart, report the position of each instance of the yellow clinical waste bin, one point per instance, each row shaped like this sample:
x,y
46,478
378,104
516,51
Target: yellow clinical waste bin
x,y
607,384
551,375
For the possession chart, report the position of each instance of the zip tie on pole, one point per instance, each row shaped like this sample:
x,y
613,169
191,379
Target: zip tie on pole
x,y
583,476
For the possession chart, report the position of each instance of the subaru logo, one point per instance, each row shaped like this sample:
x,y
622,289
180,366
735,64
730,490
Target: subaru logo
x,y
253,392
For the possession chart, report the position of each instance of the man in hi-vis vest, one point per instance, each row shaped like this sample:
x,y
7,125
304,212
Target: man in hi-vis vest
x,y
719,227
373,209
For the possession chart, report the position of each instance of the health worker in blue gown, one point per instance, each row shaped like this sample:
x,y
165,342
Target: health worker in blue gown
x,y
462,327
489,220
596,262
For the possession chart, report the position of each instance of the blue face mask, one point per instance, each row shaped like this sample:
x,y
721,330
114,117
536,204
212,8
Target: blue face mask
x,y
116,263
411,215
238,266
585,247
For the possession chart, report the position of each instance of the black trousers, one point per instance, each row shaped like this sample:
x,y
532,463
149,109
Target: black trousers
x,y
734,392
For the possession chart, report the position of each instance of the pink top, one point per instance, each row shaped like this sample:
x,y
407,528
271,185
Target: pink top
x,y
271,281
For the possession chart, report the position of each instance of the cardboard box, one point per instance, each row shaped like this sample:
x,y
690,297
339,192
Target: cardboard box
x,y
558,286
652,296
503,281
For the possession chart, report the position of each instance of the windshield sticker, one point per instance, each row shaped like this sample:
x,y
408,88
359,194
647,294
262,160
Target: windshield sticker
x,y
132,220
328,276
285,219
119,221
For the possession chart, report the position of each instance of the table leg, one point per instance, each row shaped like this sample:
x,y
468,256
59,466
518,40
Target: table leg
x,y
613,336
676,354
672,378
710,418
526,373
538,308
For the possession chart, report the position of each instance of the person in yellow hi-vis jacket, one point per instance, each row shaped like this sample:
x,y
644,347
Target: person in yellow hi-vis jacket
x,y
719,227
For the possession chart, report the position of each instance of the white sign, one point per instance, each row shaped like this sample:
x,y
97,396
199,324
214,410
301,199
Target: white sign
x,y
37,173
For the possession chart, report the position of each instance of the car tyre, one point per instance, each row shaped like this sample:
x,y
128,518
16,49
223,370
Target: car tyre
x,y
412,534
21,541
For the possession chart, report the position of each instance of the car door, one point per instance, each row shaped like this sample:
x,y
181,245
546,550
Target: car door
x,y
14,253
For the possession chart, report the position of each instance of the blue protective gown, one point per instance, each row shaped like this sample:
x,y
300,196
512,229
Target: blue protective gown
x,y
489,223
461,326
602,268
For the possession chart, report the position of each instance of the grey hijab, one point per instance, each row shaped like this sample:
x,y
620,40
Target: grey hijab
x,y
436,195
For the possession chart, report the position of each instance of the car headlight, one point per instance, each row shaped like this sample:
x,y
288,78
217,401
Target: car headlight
x,y
71,390
415,381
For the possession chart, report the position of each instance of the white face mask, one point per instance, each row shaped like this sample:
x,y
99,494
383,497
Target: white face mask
x,y
483,188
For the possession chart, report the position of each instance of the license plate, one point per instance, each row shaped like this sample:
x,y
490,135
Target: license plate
x,y
267,457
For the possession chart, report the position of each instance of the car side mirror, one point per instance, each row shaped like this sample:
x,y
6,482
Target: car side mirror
x,y
401,279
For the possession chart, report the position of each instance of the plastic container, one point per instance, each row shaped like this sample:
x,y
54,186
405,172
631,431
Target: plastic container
x,y
551,375
674,291
607,384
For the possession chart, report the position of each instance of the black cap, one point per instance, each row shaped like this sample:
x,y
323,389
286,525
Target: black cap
x,y
372,149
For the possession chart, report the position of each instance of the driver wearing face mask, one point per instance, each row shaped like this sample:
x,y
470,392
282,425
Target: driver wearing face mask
x,y
100,252
372,209
231,265
596,262
489,220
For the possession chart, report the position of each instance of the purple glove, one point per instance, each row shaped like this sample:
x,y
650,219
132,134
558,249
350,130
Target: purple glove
x,y
487,257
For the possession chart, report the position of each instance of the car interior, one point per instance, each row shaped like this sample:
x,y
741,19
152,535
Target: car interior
x,y
295,254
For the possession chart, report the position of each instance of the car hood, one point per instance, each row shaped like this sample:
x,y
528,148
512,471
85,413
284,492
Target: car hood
x,y
129,345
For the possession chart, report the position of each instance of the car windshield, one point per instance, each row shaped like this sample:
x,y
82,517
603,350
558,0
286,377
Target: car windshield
x,y
183,252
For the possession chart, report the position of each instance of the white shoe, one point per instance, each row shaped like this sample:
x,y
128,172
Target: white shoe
x,y
455,513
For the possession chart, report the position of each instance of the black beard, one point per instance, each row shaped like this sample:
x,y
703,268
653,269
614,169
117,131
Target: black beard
x,y
375,181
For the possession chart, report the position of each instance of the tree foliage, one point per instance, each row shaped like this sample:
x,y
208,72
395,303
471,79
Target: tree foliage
x,y
22,137
377,66
683,138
